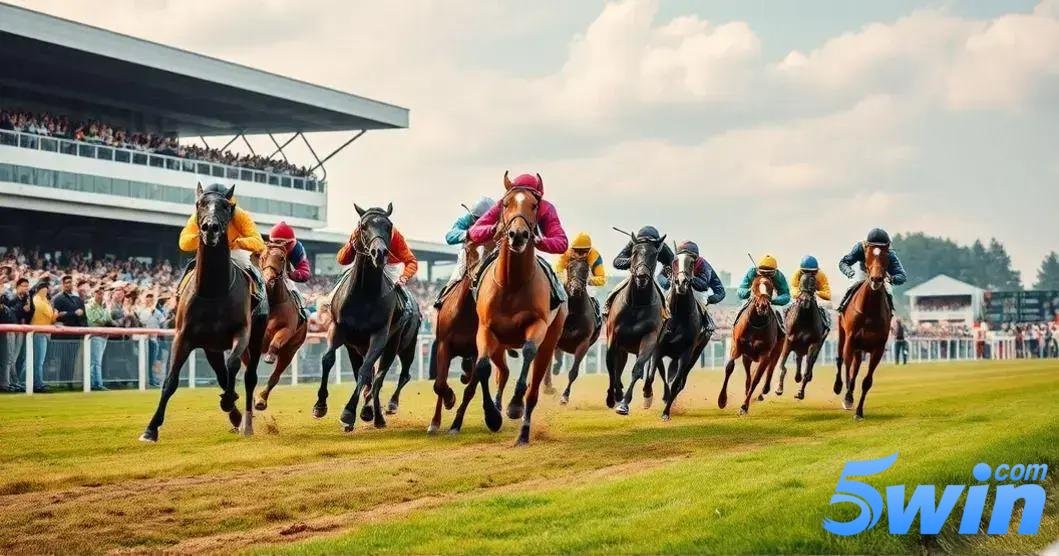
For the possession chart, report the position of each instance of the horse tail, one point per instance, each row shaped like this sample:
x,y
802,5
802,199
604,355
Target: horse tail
x,y
432,371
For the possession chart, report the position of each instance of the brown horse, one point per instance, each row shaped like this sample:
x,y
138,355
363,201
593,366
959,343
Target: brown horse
x,y
805,337
514,310
455,335
756,339
864,328
583,324
286,330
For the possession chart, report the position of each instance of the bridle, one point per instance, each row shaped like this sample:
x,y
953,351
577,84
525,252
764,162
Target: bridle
x,y
198,217
361,246
501,231
279,269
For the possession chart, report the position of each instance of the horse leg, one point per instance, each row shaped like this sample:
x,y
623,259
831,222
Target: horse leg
x,y
468,394
851,379
502,374
440,361
172,381
644,355
616,358
798,358
548,388
865,385
673,386
771,360
783,366
575,369
540,370
383,369
840,350
746,387
376,345
405,356
558,366
232,363
760,370
653,368
729,367
488,348
327,362
534,337
283,360
254,345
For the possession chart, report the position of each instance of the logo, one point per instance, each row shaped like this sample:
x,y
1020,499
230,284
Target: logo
x,y
1014,483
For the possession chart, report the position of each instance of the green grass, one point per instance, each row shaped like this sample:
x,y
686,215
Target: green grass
x,y
73,478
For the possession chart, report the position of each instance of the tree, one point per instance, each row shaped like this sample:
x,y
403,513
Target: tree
x,y
926,256
1048,274
1001,275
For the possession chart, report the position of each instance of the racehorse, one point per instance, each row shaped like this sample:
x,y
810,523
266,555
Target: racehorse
x,y
805,337
583,325
864,328
683,338
214,313
370,320
455,336
514,310
633,324
286,329
755,339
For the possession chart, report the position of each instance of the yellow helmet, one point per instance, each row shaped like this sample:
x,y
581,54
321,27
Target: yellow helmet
x,y
767,262
582,241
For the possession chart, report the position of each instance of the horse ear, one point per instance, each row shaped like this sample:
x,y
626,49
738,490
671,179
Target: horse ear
x,y
360,211
389,209
507,181
230,192
540,181
662,240
198,190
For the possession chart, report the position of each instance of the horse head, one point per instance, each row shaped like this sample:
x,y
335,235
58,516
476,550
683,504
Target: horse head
x,y
274,263
876,257
372,237
762,294
577,275
685,269
643,261
518,216
807,285
214,209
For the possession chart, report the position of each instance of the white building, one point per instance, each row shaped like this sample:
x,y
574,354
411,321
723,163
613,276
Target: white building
x,y
944,299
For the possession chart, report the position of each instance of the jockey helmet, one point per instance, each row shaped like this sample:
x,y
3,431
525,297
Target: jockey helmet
x,y
282,230
767,262
688,247
526,181
878,236
809,263
220,189
480,207
581,241
647,233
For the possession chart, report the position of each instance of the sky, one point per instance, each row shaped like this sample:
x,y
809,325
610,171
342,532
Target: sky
x,y
748,127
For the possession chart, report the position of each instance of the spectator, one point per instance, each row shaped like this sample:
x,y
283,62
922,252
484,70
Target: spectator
x,y
150,316
98,317
900,343
42,315
69,307
17,303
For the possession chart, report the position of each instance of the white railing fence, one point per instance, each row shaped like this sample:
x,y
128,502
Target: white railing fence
x,y
138,358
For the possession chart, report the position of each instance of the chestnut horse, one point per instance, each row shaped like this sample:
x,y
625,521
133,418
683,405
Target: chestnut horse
x,y
864,328
805,337
286,330
756,339
514,311
214,313
583,324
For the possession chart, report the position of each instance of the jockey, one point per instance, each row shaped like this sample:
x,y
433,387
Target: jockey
x,y
457,236
704,279
809,265
624,260
297,261
766,266
398,255
243,241
581,248
876,237
552,238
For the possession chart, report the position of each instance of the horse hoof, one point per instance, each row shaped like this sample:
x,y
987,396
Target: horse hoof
x,y
847,404
454,431
367,413
319,411
380,423
838,387
610,400
665,416
235,418
549,390
465,378
269,358
779,392
515,411
799,396
391,409
797,379
722,402
149,436
564,400
647,401
449,400
858,417
622,409
347,418
743,411
493,421
347,428
432,429
761,397
261,405
228,402
520,443
248,429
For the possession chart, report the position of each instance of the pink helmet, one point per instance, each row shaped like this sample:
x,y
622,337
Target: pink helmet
x,y
526,181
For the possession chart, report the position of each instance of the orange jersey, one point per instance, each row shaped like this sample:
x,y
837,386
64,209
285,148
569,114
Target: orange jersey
x,y
399,253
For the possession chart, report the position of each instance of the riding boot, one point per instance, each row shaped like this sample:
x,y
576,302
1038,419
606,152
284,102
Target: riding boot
x,y
849,295
613,293
825,318
180,283
558,294
259,307
440,299
741,311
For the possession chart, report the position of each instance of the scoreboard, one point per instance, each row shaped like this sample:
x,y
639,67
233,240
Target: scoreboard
x,y
1020,306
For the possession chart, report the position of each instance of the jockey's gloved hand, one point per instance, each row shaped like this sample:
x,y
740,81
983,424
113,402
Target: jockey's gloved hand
x,y
667,271
402,281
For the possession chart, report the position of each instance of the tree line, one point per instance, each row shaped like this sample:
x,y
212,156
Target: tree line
x,y
987,266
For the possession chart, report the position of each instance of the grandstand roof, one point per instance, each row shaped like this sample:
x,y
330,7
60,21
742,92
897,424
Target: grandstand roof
x,y
943,285
57,65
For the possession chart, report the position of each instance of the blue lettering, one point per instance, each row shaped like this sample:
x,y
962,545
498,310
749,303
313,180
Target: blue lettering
x,y
1002,472
860,494
973,508
1033,508
931,517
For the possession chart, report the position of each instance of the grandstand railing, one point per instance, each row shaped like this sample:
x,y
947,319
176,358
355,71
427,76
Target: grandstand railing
x,y
126,357
101,151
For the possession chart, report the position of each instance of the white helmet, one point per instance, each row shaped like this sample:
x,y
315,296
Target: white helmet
x,y
480,207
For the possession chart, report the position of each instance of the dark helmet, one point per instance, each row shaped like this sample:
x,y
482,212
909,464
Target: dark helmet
x,y
647,233
688,247
221,189
878,236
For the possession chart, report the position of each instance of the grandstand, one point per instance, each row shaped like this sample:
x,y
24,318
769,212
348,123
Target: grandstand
x,y
124,199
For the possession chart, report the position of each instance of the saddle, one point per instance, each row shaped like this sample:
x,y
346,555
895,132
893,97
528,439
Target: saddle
x,y
251,283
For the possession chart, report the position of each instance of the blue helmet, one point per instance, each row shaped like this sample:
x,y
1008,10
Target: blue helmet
x,y
647,233
809,263
688,247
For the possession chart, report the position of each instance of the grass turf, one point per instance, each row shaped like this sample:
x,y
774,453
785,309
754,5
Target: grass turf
x,y
73,478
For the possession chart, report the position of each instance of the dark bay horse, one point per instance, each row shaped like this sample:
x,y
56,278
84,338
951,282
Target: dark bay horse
x,y
755,339
286,330
864,328
805,336
583,324
214,313
514,311
455,335
684,337
633,324
370,320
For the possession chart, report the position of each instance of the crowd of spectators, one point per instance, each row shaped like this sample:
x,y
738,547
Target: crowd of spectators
x,y
942,304
100,133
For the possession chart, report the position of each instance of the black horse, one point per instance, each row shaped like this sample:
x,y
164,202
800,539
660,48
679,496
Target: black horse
x,y
806,332
583,323
371,320
634,322
683,338
214,313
